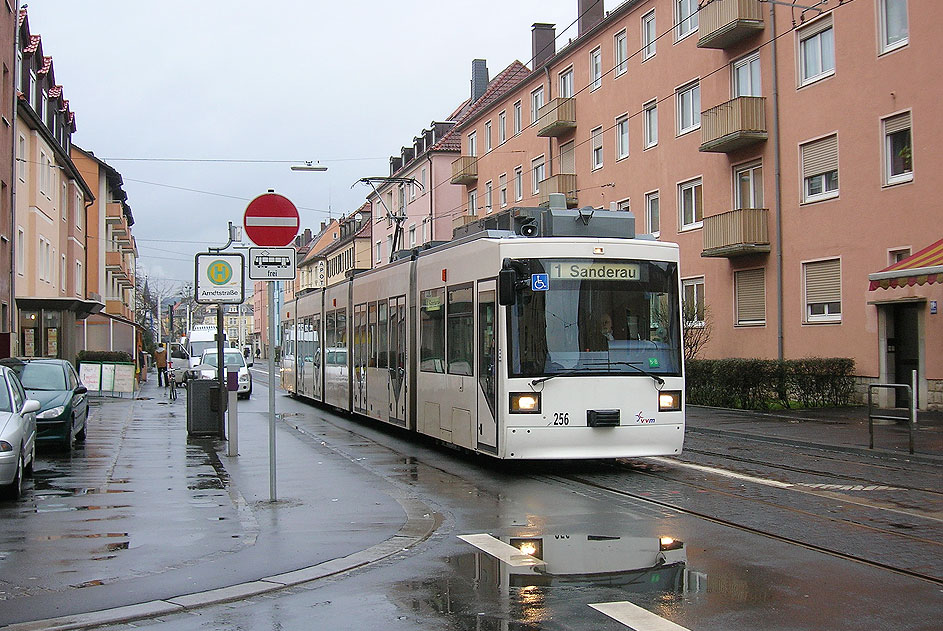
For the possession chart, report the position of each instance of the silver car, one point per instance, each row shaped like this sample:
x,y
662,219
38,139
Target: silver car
x,y
17,434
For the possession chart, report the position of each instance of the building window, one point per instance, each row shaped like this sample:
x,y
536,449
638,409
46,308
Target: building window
x,y
21,159
819,169
624,204
685,18
517,118
649,36
691,204
816,51
597,148
898,150
748,182
568,157
595,69
822,290
488,145
43,173
473,202
896,256
79,279
620,53
425,230
518,183
63,202
894,26
750,290
537,168
20,250
62,278
379,252
651,213
536,102
746,76
473,144
622,137
650,112
422,178
503,190
412,236
488,201
566,83
692,301
688,103
502,127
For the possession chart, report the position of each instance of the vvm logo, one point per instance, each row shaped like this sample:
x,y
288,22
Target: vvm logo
x,y
219,272
642,420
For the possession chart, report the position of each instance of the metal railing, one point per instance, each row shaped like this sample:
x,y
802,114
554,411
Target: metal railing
x,y
911,417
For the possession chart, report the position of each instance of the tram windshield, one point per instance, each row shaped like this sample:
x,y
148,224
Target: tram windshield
x,y
599,317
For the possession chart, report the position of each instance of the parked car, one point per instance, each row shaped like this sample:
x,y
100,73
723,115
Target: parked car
x,y
17,434
208,366
179,362
63,399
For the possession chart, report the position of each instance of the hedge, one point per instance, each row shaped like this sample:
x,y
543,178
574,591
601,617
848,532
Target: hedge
x,y
757,384
105,357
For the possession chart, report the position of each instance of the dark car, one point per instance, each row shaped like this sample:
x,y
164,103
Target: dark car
x,y
63,400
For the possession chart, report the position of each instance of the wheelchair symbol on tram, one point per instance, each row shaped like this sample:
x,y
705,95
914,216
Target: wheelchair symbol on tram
x,y
540,282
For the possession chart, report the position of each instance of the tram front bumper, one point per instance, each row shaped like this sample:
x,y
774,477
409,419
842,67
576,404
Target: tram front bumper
x,y
569,443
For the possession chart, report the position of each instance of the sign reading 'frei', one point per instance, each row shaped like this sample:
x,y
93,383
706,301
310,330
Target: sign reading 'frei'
x,y
219,278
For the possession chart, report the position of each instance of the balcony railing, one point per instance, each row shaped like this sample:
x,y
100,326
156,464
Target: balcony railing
x,y
736,233
556,118
114,215
723,23
465,170
561,183
115,263
734,124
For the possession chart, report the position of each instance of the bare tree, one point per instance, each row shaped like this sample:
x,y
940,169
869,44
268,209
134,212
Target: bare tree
x,y
696,331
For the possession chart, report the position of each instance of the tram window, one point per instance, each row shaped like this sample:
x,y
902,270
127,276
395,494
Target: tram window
x,y
372,333
460,331
382,335
341,340
432,331
330,329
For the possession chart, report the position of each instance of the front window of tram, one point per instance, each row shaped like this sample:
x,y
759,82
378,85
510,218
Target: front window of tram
x,y
596,317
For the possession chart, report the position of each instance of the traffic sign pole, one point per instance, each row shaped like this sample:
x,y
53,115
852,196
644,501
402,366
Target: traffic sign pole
x,y
271,391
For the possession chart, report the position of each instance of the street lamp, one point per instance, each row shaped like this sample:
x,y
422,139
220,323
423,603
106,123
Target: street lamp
x,y
308,166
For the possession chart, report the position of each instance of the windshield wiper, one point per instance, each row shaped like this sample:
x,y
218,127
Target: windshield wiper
x,y
632,365
564,373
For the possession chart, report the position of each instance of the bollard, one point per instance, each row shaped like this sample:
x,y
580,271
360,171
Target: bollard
x,y
232,427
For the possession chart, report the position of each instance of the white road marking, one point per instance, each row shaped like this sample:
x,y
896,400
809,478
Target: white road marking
x,y
723,472
851,487
502,551
635,617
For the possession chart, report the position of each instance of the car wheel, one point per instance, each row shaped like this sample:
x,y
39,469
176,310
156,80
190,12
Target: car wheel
x,y
14,490
28,469
69,436
81,435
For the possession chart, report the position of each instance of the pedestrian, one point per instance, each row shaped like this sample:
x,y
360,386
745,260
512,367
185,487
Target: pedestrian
x,y
161,360
258,353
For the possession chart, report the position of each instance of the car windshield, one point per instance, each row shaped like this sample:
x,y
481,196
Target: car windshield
x,y
232,359
197,348
41,376
4,395
596,317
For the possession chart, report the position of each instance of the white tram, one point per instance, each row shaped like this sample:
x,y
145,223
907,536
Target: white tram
x,y
562,344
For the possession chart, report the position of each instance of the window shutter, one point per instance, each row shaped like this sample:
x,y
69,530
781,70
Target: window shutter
x,y
820,156
823,281
816,27
897,123
751,296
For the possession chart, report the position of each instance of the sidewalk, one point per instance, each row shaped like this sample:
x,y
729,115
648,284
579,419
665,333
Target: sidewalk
x,y
193,519
843,429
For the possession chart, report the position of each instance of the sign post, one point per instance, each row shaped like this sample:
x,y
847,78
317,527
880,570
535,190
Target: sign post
x,y
271,221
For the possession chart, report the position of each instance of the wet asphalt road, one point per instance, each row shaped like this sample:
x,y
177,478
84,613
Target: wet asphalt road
x,y
757,562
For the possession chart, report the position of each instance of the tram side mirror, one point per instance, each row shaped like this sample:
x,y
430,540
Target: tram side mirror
x,y
507,284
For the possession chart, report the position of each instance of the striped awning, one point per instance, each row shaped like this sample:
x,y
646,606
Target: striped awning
x,y
925,266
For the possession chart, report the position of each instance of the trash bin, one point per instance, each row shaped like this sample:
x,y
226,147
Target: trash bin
x,y
203,408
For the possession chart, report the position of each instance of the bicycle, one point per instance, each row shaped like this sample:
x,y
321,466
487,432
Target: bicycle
x,y
171,384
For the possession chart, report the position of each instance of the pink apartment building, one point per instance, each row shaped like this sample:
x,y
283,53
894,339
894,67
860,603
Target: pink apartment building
x,y
790,152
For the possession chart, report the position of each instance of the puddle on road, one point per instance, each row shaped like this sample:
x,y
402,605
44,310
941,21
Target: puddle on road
x,y
483,592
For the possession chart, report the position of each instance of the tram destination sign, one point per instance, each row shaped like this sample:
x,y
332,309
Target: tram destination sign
x,y
272,264
219,278
594,270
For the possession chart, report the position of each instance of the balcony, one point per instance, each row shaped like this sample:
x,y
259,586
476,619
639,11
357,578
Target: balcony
x,y
556,118
465,170
562,183
115,263
723,23
462,220
734,124
114,215
736,233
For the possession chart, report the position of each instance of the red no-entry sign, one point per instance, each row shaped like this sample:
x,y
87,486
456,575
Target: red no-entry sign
x,y
271,220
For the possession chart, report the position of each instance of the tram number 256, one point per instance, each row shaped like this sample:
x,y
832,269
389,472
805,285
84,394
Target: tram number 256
x,y
561,418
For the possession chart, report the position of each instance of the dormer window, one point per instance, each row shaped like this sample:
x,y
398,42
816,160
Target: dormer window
x,y
42,104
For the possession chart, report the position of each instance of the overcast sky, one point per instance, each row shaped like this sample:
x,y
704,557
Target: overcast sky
x,y
343,82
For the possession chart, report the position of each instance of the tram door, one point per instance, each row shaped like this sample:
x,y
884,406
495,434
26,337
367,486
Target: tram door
x,y
361,348
313,382
397,359
487,366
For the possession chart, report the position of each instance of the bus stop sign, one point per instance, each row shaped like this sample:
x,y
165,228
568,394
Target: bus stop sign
x,y
271,220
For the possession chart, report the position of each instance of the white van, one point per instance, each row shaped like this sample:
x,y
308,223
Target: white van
x,y
201,338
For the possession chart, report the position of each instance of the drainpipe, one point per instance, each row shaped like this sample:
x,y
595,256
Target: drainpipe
x,y
14,312
85,286
549,138
778,189
431,207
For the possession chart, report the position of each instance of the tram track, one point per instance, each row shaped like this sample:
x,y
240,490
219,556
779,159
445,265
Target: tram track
x,y
813,472
936,580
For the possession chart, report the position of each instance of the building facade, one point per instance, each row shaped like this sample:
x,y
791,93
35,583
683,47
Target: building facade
x,y
787,150
8,70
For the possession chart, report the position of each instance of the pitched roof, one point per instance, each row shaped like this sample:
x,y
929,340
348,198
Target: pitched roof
x,y
34,42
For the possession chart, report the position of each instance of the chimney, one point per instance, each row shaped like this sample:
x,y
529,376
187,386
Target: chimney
x,y
479,80
543,43
591,13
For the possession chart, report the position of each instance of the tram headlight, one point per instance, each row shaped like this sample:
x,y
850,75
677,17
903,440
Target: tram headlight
x,y
669,400
667,543
533,547
525,403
